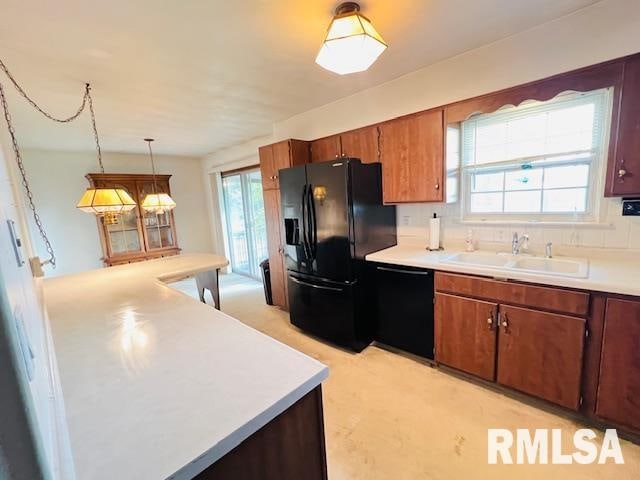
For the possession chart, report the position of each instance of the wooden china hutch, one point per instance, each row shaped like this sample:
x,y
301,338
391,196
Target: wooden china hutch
x,y
138,235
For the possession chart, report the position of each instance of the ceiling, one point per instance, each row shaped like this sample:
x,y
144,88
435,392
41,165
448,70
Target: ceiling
x,y
202,75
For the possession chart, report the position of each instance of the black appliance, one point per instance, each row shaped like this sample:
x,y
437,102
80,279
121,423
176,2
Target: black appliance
x,y
405,308
631,206
333,216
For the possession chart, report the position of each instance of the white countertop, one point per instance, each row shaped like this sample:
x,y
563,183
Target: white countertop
x,y
605,274
156,384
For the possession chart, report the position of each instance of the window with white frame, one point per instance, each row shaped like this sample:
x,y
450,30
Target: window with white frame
x,y
538,161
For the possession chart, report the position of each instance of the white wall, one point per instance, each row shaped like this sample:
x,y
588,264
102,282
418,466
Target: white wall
x,y
57,180
44,403
606,30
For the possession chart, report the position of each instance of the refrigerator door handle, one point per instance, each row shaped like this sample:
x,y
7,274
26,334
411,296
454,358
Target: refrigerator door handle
x,y
397,270
313,228
305,244
319,287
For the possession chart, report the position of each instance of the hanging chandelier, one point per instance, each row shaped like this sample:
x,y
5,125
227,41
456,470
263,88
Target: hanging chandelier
x,y
352,43
107,203
156,202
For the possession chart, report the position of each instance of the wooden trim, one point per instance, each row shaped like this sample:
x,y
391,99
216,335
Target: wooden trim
x,y
602,75
236,171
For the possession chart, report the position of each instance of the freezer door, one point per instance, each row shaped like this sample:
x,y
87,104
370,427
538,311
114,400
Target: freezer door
x,y
329,220
324,309
293,198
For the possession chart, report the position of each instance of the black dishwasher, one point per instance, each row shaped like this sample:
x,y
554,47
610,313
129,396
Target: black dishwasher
x,y
405,308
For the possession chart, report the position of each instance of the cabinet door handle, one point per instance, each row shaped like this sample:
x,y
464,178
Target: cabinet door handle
x,y
505,323
437,186
622,172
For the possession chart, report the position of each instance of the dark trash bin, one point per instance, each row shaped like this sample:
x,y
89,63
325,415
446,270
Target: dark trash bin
x,y
266,281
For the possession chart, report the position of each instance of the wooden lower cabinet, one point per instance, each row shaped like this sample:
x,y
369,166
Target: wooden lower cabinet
x,y
274,245
291,446
619,387
466,335
540,354
526,349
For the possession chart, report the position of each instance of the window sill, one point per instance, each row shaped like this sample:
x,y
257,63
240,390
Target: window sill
x,y
539,223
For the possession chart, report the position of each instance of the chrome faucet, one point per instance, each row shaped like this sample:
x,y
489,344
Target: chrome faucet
x,y
519,243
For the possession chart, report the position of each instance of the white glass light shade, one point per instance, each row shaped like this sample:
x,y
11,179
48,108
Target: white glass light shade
x,y
158,203
352,45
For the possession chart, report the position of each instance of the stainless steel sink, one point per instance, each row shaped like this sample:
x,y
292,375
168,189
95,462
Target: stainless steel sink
x,y
563,267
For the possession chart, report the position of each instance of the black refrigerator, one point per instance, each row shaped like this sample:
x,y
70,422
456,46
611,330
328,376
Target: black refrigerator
x,y
333,217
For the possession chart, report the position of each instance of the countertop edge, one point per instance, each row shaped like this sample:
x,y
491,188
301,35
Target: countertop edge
x,y
219,450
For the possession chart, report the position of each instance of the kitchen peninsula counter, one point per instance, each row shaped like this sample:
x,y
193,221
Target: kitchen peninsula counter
x,y
158,385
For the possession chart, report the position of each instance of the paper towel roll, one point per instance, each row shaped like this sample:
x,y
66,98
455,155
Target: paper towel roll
x,y
434,233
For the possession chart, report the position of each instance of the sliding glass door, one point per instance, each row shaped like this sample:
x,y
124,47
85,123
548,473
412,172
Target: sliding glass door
x,y
246,224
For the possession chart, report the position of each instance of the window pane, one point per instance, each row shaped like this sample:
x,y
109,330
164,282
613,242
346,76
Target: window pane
x,y
566,176
452,188
570,120
486,202
523,179
565,201
487,182
519,202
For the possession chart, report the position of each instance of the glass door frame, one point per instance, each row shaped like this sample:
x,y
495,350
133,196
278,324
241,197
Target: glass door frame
x,y
249,220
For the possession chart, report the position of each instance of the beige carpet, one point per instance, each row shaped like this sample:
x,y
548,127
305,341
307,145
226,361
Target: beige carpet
x,y
388,416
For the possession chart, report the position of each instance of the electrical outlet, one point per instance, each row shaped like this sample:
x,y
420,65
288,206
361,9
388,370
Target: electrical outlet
x,y
406,220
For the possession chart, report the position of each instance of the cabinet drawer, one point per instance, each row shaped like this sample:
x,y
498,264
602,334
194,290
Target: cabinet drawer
x,y
545,298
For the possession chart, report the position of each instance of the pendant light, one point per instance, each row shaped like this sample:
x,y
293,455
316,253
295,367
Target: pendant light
x,y
351,44
107,203
155,202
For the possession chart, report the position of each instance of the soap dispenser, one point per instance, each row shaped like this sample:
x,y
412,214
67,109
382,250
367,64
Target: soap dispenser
x,y
470,247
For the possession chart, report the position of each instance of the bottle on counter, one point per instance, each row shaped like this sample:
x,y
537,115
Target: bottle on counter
x,y
470,246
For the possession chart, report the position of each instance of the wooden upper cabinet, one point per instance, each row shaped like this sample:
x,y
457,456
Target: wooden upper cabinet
x,y
540,354
277,156
623,173
619,388
362,143
324,149
267,168
465,334
412,156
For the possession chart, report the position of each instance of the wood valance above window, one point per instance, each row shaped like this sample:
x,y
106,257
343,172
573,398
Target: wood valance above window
x,y
603,75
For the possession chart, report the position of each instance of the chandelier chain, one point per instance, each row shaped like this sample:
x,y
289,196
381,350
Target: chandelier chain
x,y
86,99
25,182
153,166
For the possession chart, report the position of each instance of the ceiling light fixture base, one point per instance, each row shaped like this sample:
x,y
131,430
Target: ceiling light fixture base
x,y
347,7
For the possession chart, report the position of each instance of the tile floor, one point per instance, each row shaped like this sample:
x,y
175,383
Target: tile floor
x,y
388,416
